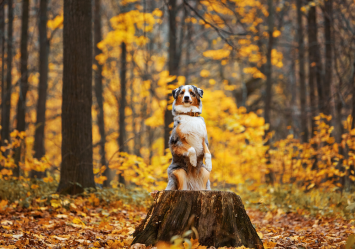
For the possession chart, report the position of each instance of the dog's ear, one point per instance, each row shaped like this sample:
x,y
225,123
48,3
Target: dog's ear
x,y
174,92
200,92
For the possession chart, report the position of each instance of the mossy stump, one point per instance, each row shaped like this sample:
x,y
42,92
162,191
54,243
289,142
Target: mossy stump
x,y
218,216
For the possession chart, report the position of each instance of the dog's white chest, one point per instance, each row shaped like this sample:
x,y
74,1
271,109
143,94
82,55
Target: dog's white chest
x,y
194,129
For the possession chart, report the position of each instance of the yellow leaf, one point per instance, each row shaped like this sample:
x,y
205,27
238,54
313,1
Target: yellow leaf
x,y
269,244
157,12
100,179
34,186
114,183
57,22
78,221
276,33
3,204
217,54
96,171
48,179
310,186
204,73
55,203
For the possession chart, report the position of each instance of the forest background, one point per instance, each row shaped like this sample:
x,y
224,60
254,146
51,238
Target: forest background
x,y
278,80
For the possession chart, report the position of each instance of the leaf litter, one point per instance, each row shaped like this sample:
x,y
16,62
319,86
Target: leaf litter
x,y
90,223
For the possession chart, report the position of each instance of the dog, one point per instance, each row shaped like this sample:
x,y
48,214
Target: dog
x,y
188,142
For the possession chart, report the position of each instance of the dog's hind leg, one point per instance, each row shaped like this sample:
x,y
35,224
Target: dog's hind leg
x,y
208,186
171,185
204,176
181,176
207,156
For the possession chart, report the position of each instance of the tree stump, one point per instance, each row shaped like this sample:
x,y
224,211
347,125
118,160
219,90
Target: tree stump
x,y
218,216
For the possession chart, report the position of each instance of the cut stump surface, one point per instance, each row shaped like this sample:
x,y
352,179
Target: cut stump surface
x,y
218,216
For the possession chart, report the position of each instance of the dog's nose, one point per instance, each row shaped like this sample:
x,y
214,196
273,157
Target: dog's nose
x,y
186,98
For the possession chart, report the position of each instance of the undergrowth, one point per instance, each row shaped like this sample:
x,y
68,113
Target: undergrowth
x,y
288,198
25,192
284,198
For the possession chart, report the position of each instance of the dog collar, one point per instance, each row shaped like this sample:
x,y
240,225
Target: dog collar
x,y
192,114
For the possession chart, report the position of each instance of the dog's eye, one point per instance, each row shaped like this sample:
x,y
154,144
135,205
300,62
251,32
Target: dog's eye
x,y
181,93
192,94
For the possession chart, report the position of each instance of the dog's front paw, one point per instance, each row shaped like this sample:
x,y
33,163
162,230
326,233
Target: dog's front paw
x,y
208,161
191,153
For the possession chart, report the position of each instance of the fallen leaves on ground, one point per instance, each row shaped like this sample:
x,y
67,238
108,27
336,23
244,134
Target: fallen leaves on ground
x,y
292,230
89,223
79,226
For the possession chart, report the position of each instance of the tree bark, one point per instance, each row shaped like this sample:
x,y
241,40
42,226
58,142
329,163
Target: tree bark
x,y
219,218
353,98
301,60
42,86
313,70
268,92
122,124
2,41
77,166
99,92
173,68
352,166
21,103
328,19
5,119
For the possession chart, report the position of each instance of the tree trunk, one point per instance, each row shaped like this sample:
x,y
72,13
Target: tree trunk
x,y
328,19
77,167
135,150
122,124
268,92
42,86
2,41
352,166
5,119
314,56
219,218
187,49
353,98
99,92
312,71
293,90
21,103
303,90
173,69
312,42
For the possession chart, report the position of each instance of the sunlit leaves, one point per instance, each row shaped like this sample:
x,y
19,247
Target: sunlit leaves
x,y
276,58
204,73
56,23
276,33
125,26
217,54
254,72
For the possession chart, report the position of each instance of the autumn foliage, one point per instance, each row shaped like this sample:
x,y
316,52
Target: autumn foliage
x,y
298,168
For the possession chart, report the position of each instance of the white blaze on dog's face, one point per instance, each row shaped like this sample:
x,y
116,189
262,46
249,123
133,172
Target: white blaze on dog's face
x,y
187,98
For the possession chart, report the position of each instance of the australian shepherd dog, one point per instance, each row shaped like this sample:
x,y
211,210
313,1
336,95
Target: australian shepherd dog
x,y
188,142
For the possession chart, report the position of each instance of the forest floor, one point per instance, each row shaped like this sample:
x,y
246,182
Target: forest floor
x,y
89,222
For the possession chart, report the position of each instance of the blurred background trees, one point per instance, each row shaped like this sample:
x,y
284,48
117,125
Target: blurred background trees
x,y
279,81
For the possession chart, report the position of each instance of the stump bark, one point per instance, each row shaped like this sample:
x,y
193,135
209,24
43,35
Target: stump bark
x,y
218,216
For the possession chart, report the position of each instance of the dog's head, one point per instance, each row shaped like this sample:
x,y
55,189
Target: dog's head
x,y
187,98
